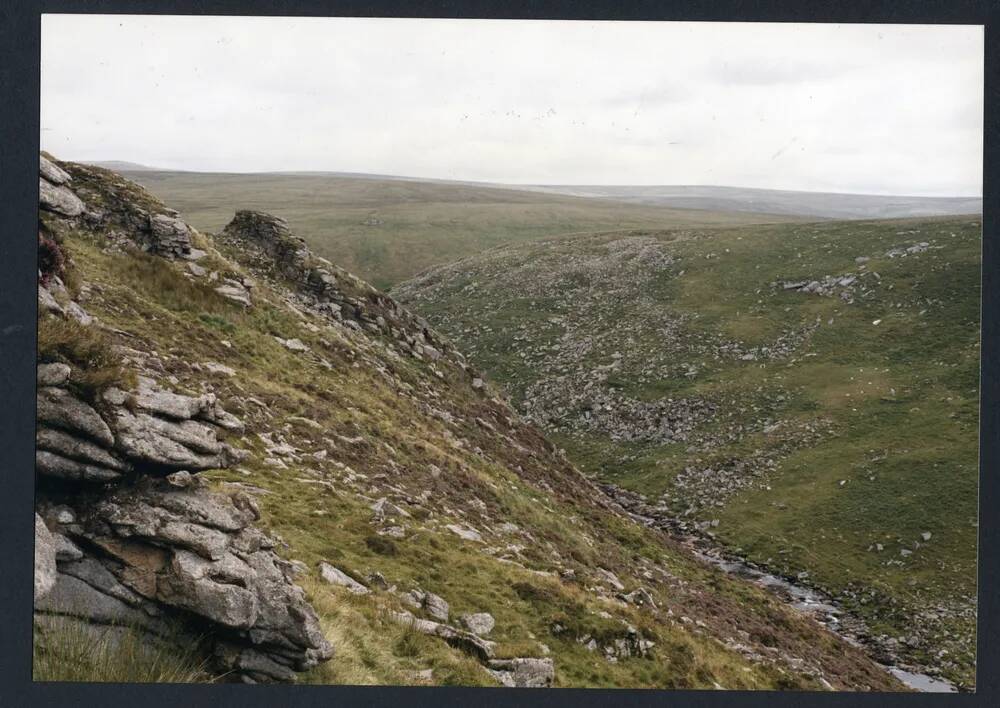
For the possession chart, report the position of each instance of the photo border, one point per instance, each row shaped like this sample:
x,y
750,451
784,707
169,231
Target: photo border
x,y
20,25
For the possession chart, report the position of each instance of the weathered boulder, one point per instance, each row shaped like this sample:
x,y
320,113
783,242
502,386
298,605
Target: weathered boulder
x,y
235,291
168,236
59,198
45,560
56,374
436,606
50,171
469,534
523,672
480,623
61,409
468,642
157,550
335,576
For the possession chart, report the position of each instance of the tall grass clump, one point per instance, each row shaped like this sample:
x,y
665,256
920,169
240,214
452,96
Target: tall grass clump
x,y
87,350
70,650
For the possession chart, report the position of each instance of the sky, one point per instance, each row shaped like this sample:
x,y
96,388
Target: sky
x,y
879,109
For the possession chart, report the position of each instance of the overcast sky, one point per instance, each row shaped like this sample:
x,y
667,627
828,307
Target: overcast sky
x,y
856,108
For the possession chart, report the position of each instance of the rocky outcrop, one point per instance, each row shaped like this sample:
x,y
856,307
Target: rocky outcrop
x,y
157,546
523,672
126,535
155,551
269,247
150,431
114,205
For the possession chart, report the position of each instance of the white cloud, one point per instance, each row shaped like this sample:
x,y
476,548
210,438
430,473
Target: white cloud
x,y
866,108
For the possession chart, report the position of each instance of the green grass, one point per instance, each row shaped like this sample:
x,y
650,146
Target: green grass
x,y
423,223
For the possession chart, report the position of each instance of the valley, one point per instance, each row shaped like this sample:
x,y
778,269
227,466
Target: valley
x,y
803,395
253,466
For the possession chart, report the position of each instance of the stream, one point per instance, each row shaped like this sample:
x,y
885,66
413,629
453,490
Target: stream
x,y
822,609
803,599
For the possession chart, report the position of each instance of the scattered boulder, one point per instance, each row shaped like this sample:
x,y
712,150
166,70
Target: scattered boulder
x,y
51,172
168,236
56,374
468,534
335,576
235,291
466,641
294,345
480,623
59,199
523,672
45,560
436,606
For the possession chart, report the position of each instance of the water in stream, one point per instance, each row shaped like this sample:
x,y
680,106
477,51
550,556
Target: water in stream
x,y
811,602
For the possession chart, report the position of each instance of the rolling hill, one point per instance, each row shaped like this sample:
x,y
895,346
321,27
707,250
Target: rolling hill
x,y
388,229
826,205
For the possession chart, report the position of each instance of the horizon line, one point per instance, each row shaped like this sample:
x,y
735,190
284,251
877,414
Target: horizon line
x,y
413,178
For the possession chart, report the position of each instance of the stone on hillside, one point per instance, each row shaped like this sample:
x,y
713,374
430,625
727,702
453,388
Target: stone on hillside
x,y
213,367
52,172
384,508
335,576
523,672
79,314
641,597
169,236
468,534
181,479
478,383
45,559
47,302
59,199
197,270
295,345
60,409
610,578
483,649
231,290
926,536
436,606
52,374
480,623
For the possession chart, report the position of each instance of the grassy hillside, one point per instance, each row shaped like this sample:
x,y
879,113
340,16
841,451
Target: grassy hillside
x,y
826,431
414,225
392,463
